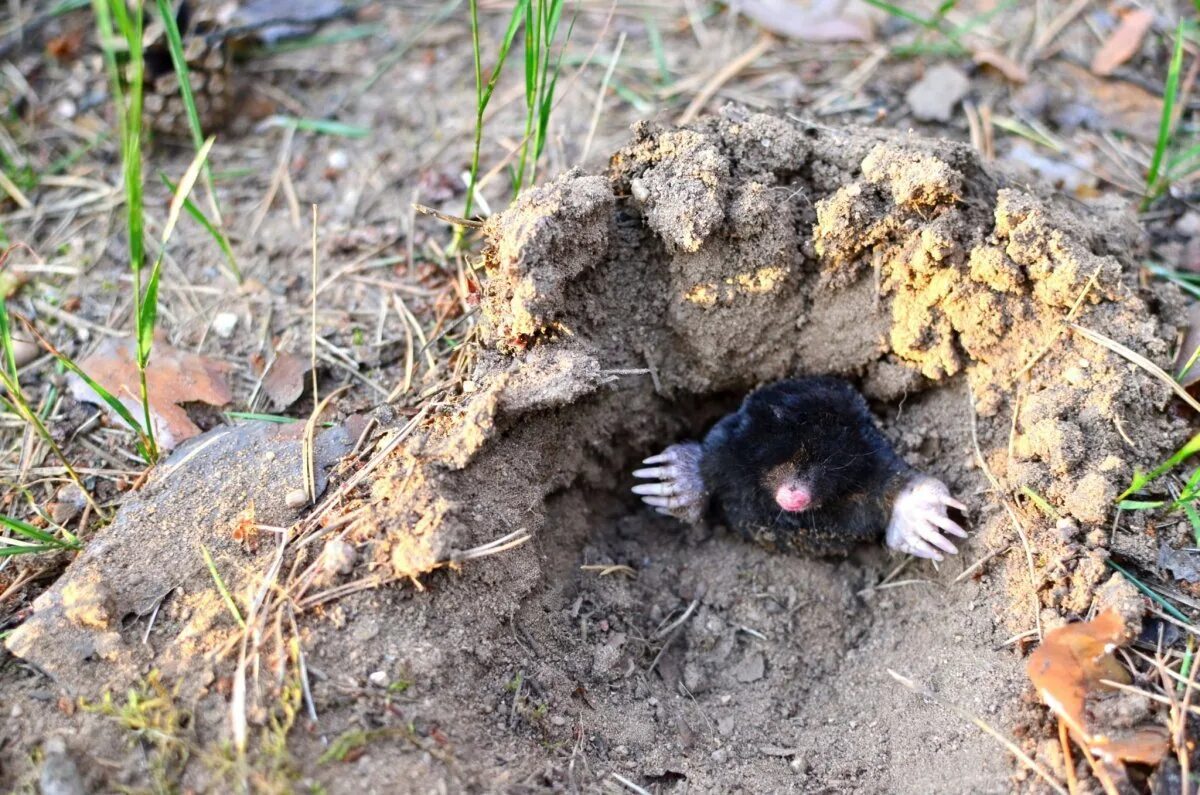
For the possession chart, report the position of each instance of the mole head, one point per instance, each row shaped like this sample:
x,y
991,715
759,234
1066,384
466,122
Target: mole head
x,y
791,486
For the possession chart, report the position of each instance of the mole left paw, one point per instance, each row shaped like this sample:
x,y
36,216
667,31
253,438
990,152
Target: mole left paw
x,y
679,491
919,519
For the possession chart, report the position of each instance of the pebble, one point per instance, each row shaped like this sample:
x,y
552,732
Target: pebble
x,y
58,775
379,678
338,556
224,324
339,160
751,668
296,499
558,720
934,96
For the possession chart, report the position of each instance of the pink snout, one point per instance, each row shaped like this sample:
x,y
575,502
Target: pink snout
x,y
792,497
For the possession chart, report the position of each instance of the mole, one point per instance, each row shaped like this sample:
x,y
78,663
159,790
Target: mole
x,y
801,466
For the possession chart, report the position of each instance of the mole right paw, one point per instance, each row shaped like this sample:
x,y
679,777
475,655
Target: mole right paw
x,y
919,521
679,491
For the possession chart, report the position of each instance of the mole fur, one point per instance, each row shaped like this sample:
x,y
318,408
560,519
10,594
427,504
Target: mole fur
x,y
820,431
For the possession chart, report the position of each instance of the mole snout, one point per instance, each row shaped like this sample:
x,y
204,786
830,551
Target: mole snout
x,y
841,485
793,496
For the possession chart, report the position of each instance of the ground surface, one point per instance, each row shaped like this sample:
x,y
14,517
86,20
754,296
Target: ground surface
x,y
615,314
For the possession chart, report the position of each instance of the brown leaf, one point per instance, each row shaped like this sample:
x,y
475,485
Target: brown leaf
x,y
819,20
65,47
284,382
1068,670
173,377
1012,71
1121,105
1124,42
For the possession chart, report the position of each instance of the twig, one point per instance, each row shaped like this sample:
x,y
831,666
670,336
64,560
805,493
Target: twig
x,y
723,76
1139,360
1012,514
599,106
456,220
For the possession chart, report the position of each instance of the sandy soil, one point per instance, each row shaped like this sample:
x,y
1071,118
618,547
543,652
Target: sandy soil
x,y
621,309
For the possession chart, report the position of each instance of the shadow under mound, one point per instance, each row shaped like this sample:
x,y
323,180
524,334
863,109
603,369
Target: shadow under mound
x,y
625,311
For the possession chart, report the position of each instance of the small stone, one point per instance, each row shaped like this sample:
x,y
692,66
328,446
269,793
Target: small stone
x,y
1067,529
65,109
224,323
338,556
379,678
24,350
720,756
751,668
934,96
338,160
296,499
59,775
558,720
639,190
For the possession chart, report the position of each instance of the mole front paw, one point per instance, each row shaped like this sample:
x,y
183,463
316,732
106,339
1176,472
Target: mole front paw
x,y
679,491
919,519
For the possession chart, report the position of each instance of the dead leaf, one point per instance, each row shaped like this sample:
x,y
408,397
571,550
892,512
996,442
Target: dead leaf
x,y
1068,669
820,20
1121,105
1012,71
284,382
173,377
1124,42
66,47
1182,565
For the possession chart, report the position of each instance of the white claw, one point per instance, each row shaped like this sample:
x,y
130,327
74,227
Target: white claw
x,y
664,489
919,520
679,491
953,503
658,473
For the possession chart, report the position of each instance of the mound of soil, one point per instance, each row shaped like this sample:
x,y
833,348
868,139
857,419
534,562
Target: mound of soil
x,y
625,311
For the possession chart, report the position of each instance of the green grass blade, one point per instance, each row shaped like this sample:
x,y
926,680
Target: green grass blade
x,y
32,533
1141,480
654,36
1040,502
1140,505
1194,518
255,416
10,359
117,406
896,11
1166,606
225,594
483,95
1166,122
175,48
8,550
199,217
323,126
147,317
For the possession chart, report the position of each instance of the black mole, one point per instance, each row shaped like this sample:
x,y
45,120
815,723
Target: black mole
x,y
801,466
